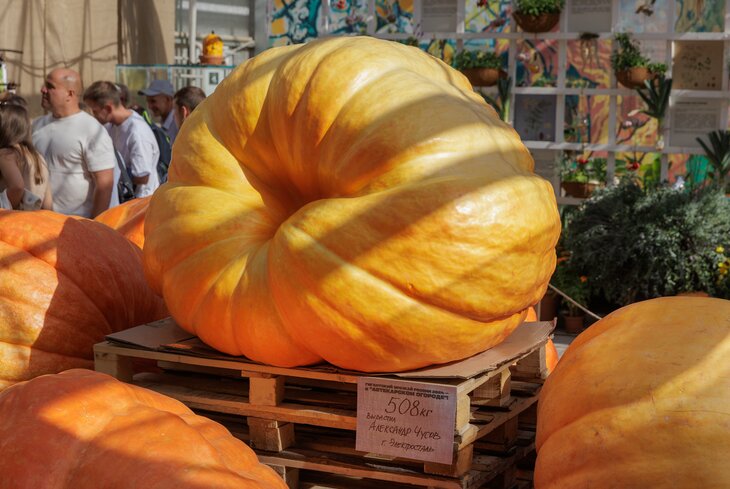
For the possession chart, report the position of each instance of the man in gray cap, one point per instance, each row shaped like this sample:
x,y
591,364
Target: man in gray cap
x,y
159,101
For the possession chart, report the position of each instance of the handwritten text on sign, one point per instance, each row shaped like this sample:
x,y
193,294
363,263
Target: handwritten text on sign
x,y
406,419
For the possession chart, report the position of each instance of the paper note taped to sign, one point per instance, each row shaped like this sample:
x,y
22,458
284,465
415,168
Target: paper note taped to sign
x,y
406,419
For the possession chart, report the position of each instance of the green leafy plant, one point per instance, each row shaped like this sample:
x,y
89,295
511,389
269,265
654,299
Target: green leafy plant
x,y
502,103
655,95
657,68
411,41
582,169
477,59
627,54
718,153
570,282
637,243
537,7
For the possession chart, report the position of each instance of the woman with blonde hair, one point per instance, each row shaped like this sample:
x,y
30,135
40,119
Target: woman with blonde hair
x,y
24,180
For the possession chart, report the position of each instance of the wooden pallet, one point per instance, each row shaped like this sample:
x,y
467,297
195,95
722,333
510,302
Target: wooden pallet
x,y
278,406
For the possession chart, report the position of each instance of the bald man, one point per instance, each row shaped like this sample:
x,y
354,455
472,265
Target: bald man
x,y
78,149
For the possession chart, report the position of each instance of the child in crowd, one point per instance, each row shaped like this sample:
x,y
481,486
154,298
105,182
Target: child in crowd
x,y
24,180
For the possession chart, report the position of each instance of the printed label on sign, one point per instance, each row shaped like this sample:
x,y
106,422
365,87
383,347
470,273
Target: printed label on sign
x,y
399,418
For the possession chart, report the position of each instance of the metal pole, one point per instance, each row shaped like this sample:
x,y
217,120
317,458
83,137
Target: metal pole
x,y
193,28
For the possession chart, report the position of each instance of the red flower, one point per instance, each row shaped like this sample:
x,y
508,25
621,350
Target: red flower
x,y
582,161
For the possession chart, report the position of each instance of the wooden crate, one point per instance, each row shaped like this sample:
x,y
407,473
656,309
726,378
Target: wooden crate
x,y
304,419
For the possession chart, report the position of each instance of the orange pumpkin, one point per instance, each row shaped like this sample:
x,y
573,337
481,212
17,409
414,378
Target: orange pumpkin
x,y
641,399
551,353
128,219
352,200
65,283
82,429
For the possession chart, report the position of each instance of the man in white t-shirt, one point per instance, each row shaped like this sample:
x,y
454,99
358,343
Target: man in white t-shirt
x,y
77,149
130,133
159,101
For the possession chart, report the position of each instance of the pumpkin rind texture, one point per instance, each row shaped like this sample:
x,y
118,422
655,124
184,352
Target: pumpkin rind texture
x,y
82,429
65,283
641,399
127,219
351,200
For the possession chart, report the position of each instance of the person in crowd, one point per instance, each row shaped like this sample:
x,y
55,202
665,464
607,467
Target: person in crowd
x,y
184,102
130,133
124,95
23,172
78,150
9,98
159,101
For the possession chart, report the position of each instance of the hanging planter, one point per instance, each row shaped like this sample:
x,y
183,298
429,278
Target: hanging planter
x,y
543,22
483,77
580,190
482,68
633,77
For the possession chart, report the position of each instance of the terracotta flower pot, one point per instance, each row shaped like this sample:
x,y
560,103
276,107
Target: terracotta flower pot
x,y
211,60
536,23
483,77
573,324
633,77
549,306
578,189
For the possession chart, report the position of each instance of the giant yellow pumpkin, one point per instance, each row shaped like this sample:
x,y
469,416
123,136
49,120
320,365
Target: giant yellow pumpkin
x,y
82,429
128,219
641,399
65,283
351,200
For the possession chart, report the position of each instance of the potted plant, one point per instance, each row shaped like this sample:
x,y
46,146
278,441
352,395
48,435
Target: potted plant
x,y
655,94
640,242
482,68
579,177
718,153
568,282
631,67
502,103
537,15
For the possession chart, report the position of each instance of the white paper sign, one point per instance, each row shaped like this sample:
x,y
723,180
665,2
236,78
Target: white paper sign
x,y
590,16
438,16
406,419
692,118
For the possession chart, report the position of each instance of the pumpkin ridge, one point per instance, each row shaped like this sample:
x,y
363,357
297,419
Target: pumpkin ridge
x,y
377,277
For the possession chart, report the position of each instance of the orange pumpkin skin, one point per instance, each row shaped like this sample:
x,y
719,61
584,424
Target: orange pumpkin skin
x,y
65,283
641,399
352,200
128,219
82,429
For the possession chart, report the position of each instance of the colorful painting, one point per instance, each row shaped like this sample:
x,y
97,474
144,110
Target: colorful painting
x,y
348,16
642,16
699,15
634,128
589,64
295,22
537,63
443,49
586,119
394,16
488,16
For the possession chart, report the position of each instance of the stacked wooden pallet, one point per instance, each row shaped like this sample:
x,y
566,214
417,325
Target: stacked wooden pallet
x,y
302,421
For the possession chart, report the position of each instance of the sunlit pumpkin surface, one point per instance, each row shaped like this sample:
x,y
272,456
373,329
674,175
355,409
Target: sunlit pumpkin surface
x,y
85,430
65,283
351,200
127,219
641,399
